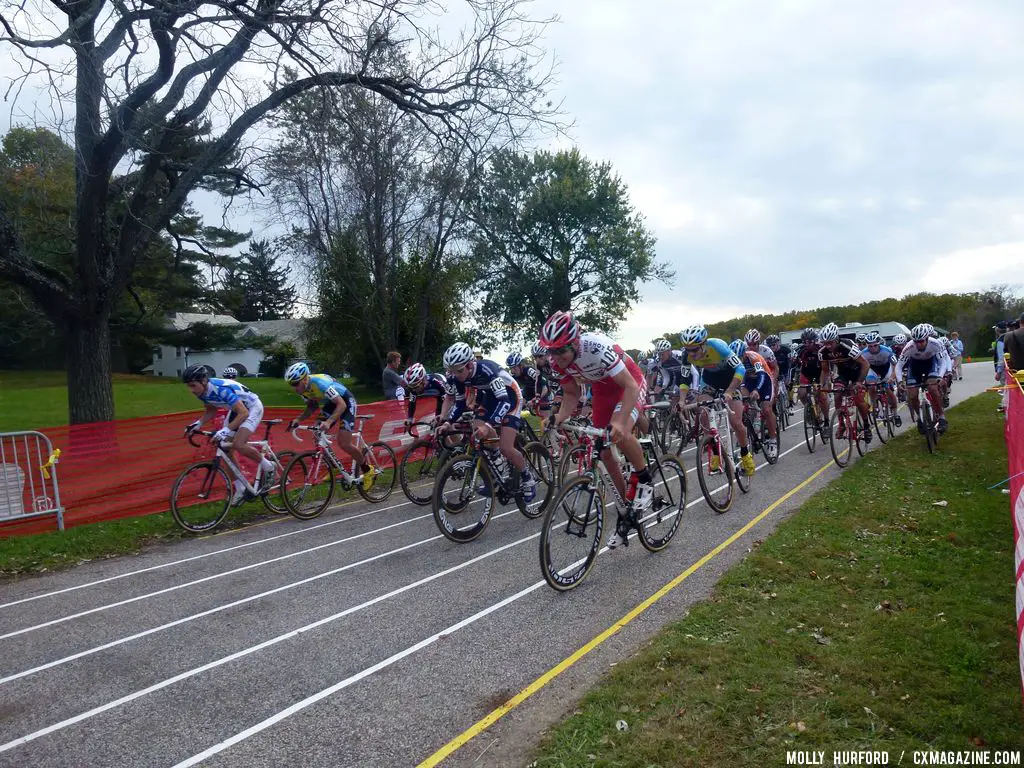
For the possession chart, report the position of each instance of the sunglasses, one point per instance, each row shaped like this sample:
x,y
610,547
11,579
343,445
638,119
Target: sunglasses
x,y
295,384
458,369
560,350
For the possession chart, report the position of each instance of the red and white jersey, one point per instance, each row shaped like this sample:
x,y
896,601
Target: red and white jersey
x,y
599,358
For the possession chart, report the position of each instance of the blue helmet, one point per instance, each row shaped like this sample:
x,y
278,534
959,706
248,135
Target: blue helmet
x,y
738,347
513,360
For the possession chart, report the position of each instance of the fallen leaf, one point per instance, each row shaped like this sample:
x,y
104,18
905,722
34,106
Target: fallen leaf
x,y
622,725
942,503
801,727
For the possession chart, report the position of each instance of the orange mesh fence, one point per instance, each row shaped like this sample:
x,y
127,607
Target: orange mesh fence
x,y
124,468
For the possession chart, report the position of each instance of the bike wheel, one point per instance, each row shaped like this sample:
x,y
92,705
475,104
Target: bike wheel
x,y
858,440
418,469
573,462
460,512
201,497
384,468
810,428
274,498
539,459
716,487
308,485
570,535
778,442
879,421
842,447
657,527
930,438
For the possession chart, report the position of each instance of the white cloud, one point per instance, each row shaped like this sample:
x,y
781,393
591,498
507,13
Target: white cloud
x,y
975,268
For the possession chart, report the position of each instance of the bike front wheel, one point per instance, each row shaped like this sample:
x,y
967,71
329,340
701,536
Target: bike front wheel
x,y
308,485
201,497
570,535
842,440
539,461
418,469
384,468
274,498
660,523
460,512
716,485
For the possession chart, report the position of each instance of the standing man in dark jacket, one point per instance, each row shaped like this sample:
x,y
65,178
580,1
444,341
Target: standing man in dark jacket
x,y
391,379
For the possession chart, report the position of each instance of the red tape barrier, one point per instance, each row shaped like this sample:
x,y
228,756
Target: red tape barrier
x,y
126,468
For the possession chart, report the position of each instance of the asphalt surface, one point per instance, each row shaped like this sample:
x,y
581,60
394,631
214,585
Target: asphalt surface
x,y
362,638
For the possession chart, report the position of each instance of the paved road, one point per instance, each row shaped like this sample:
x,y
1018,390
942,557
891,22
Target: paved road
x,y
359,639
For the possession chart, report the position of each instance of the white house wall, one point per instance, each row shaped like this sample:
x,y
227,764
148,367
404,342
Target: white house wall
x,y
170,364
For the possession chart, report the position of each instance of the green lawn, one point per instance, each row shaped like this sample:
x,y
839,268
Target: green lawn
x,y
872,619
34,399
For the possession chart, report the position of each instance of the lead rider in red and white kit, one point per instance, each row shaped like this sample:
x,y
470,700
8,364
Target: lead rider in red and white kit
x,y
618,391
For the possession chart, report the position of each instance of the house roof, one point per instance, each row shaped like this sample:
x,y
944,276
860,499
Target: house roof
x,y
179,321
279,330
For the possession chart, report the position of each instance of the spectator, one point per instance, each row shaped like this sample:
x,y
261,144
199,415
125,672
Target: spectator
x,y
958,350
1013,344
391,379
997,360
478,353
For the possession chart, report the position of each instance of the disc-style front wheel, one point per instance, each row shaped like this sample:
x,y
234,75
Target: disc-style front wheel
x,y
201,497
660,523
570,535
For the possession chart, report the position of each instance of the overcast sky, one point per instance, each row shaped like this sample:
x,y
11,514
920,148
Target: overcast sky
x,y
796,154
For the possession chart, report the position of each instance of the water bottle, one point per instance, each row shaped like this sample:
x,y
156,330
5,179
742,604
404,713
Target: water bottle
x,y
500,464
757,423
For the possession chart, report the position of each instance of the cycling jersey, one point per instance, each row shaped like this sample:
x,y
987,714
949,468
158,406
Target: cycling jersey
x,y
224,393
598,361
845,355
809,362
532,382
783,359
434,387
881,362
758,376
669,374
553,384
933,352
717,359
766,352
323,389
497,393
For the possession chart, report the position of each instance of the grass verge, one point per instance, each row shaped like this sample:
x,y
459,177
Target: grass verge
x,y
872,619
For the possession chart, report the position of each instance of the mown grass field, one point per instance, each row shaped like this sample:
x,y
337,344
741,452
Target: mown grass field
x,y
34,399
872,619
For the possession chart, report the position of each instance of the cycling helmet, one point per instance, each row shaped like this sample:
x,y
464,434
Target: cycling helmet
x,y
809,336
513,360
860,338
457,354
195,373
229,373
899,338
738,347
772,340
663,345
920,332
560,330
753,336
829,332
415,374
872,337
694,335
296,372
538,350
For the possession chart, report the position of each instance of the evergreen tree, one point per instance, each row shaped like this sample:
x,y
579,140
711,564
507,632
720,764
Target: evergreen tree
x,y
266,294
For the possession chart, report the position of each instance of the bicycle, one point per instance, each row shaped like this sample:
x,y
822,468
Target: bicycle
x,y
882,412
417,471
312,476
781,407
814,420
579,510
927,421
757,431
845,428
201,496
715,442
455,489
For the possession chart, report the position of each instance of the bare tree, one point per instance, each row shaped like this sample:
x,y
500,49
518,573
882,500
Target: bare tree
x,y
164,93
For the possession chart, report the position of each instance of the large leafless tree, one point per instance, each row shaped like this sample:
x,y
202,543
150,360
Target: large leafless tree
x,y
145,77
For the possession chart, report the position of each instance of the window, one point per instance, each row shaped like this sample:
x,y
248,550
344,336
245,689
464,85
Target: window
x,y
159,353
177,351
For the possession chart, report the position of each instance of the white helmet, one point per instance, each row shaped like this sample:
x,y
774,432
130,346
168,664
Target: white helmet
x,y
899,338
457,354
872,337
663,345
538,350
296,372
229,373
415,374
753,336
829,332
861,337
694,335
920,332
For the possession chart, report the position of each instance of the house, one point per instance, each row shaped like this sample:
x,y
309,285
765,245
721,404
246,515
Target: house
x,y
171,361
886,330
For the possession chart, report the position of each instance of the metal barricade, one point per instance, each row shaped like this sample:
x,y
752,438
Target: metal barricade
x,y
28,477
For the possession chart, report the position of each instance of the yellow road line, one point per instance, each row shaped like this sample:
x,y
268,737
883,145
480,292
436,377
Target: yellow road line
x,y
480,726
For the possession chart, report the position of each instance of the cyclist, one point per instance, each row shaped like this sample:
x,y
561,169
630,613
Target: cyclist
x,y
883,370
618,391
754,343
497,395
783,358
229,373
851,369
926,364
721,372
244,413
419,384
759,386
860,339
531,381
336,404
899,341
809,366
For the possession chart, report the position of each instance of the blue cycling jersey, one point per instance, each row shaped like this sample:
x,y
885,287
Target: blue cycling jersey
x,y
717,358
323,389
494,383
880,361
224,393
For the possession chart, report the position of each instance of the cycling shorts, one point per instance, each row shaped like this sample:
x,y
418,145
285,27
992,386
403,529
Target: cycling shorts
x,y
763,385
606,397
919,371
347,421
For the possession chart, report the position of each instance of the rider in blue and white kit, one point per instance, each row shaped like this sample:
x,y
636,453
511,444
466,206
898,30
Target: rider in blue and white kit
x,y
926,362
883,370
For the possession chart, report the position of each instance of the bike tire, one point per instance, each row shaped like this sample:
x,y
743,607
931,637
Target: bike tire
x,y
836,444
384,467
810,429
274,498
569,469
662,520
201,497
927,415
418,469
539,459
764,442
465,470
586,527
704,448
307,496
879,424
